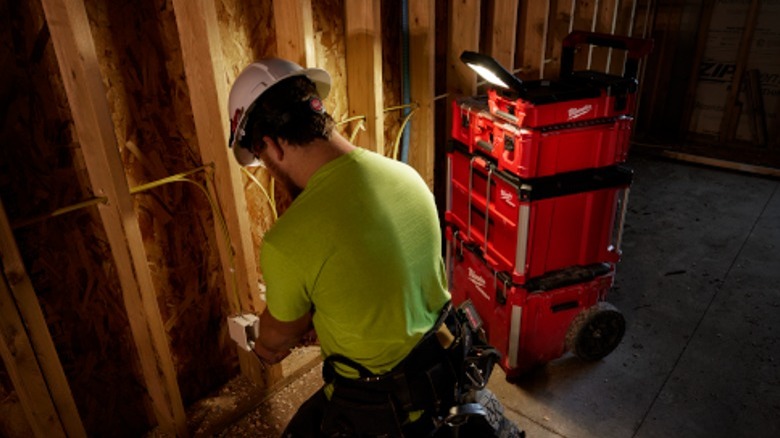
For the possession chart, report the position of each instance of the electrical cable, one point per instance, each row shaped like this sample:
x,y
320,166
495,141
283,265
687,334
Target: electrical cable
x,y
215,210
180,177
59,212
270,198
400,134
361,126
414,106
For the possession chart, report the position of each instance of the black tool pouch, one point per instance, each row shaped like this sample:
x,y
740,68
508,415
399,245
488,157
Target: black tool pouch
x,y
353,413
472,355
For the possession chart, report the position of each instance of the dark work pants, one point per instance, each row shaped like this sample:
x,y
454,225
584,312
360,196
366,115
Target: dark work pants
x,y
306,422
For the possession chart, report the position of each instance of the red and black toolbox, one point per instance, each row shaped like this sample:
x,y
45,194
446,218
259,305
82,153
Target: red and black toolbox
x,y
536,202
530,153
578,95
528,227
537,322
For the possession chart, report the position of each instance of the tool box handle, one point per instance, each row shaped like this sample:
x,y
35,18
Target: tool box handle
x,y
637,48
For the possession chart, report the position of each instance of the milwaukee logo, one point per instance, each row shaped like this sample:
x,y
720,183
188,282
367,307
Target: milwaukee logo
x,y
576,113
508,198
478,282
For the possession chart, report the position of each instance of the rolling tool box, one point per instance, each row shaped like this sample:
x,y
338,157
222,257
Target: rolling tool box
x,y
530,227
537,322
536,203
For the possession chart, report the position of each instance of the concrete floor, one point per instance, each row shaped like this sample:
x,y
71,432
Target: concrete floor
x,y
699,286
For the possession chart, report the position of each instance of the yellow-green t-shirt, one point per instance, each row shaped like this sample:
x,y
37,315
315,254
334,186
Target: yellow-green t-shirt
x,y
361,247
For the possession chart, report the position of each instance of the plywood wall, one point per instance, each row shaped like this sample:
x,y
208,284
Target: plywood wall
x,y
714,81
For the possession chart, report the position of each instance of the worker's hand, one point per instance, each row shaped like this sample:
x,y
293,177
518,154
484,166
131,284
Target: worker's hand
x,y
310,338
269,356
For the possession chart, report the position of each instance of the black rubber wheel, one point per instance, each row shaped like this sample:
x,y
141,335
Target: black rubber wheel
x,y
596,331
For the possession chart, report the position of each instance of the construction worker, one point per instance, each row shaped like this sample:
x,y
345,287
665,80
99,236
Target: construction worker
x,y
356,257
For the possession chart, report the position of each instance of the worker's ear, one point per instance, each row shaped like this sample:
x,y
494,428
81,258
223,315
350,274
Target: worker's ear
x,y
274,148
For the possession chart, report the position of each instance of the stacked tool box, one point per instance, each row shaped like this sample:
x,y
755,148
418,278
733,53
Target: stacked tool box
x,y
535,206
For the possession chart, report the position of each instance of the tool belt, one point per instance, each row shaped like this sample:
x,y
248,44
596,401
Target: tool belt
x,y
450,361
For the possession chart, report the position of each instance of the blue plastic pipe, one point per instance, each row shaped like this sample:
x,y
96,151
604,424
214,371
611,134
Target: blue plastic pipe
x,y
406,87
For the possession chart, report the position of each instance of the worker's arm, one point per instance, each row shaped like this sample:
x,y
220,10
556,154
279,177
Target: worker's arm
x,y
278,337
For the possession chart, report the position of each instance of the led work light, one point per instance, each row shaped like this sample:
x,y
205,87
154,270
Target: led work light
x,y
490,70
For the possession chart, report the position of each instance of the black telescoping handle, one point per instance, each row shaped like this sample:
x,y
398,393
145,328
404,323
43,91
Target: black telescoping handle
x,y
637,48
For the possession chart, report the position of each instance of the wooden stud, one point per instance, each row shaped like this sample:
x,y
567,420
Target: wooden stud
x,y
667,22
605,23
644,20
26,376
731,112
28,350
464,35
80,71
504,30
705,17
202,56
364,70
561,21
584,19
294,31
422,39
624,26
532,38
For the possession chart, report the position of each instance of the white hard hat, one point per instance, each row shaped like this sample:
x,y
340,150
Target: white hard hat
x,y
250,84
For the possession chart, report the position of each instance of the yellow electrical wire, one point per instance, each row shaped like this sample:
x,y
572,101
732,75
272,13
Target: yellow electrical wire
x,y
270,198
180,177
398,136
397,107
215,210
361,125
59,212
350,119
168,179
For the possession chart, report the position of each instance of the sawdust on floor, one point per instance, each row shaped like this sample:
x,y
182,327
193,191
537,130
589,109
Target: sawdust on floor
x,y
270,418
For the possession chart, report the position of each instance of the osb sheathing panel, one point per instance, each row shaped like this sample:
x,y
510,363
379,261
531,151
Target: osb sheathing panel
x,y
141,65
66,257
247,34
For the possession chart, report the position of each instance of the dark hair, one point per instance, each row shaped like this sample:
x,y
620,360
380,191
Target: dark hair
x,y
291,110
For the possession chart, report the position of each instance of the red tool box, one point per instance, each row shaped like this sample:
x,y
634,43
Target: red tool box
x,y
577,96
536,203
530,153
538,322
531,227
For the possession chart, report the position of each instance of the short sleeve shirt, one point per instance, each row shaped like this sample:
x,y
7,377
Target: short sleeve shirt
x,y
361,247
